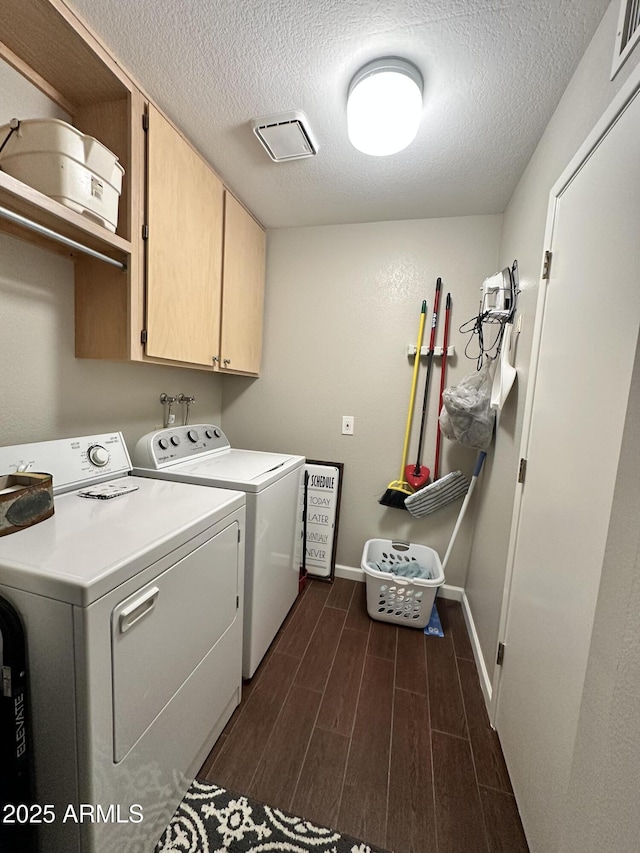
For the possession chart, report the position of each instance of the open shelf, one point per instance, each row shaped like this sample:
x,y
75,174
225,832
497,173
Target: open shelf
x,y
44,42
34,205
44,38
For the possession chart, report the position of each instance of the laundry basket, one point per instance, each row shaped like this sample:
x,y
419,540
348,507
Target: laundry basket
x,y
393,598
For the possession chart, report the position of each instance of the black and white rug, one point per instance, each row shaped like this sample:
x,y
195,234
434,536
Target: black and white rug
x,y
213,820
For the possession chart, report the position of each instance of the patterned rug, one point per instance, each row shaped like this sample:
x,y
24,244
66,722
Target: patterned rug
x,y
212,820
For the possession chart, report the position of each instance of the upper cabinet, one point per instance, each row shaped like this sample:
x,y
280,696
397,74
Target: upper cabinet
x,y
205,261
184,249
242,291
187,285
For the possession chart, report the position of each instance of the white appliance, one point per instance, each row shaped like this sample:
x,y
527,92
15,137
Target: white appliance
x,y
272,482
132,607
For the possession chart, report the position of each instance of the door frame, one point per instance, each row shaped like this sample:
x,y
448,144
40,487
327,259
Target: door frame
x,y
628,92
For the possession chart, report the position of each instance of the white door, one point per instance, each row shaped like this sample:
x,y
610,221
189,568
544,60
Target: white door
x,y
587,340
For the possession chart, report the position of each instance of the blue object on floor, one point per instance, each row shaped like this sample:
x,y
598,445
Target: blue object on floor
x,y
434,628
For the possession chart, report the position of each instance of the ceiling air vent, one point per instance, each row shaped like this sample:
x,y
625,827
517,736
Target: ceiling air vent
x,y
286,136
627,34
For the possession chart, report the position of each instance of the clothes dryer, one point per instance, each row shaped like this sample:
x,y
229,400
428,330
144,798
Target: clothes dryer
x,y
130,595
201,454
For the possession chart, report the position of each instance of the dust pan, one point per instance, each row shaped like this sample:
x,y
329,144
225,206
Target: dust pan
x,y
505,372
434,628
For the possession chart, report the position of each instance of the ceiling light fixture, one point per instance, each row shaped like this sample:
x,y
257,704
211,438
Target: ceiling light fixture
x,y
384,106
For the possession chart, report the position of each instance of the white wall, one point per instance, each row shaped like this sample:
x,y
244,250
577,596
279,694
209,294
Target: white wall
x,y
584,101
342,304
45,392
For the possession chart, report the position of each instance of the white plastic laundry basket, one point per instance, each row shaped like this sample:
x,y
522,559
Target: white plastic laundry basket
x,y
393,598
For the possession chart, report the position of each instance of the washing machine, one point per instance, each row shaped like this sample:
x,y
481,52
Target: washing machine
x,y
201,454
130,596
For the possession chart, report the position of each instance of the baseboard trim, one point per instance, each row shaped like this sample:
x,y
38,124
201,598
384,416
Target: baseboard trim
x,y
350,572
485,681
453,593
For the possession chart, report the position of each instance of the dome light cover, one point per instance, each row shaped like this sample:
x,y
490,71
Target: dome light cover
x,y
384,106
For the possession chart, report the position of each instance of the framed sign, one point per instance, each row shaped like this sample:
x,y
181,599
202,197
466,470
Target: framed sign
x,y
321,514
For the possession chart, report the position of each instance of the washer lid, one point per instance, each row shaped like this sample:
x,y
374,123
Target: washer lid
x,y
90,546
249,470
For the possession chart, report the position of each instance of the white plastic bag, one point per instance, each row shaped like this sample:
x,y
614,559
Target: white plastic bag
x,y
446,426
467,411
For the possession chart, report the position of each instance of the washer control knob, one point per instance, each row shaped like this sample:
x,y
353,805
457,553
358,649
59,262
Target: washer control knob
x,y
175,440
98,455
208,433
217,433
192,435
163,444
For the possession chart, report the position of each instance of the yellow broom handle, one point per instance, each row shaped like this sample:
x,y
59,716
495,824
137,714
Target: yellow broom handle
x,y
414,385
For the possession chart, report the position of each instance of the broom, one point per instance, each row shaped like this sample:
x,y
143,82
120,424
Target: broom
x,y
398,489
417,475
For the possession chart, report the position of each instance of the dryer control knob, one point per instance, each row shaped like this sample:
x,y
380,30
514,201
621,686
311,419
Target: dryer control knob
x,y
163,444
192,435
98,455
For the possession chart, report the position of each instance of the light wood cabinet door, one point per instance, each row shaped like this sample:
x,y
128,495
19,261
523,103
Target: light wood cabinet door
x,y
243,290
184,248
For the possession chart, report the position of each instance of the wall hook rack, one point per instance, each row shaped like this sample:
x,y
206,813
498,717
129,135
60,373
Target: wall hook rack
x,y
169,416
186,401
437,351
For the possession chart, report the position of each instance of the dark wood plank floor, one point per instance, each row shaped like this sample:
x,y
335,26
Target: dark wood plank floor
x,y
377,731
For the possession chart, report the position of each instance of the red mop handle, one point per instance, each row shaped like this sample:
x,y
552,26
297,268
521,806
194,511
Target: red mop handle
x,y
445,345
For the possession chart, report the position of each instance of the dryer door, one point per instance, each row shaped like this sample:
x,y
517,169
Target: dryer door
x,y
162,632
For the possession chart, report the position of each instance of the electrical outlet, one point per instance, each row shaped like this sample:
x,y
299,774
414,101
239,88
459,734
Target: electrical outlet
x,y
347,424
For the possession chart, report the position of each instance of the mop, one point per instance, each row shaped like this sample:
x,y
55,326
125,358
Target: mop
x,y
434,626
482,455
431,498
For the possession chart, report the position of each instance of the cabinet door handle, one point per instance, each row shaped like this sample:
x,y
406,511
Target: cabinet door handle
x,y
138,608
226,361
214,359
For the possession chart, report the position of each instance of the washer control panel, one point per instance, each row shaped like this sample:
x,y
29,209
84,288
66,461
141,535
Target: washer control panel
x,y
178,444
98,455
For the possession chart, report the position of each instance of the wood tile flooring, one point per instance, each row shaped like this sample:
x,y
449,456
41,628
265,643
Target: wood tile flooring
x,y
377,731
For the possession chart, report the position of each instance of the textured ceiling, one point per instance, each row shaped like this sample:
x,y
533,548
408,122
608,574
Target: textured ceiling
x,y
494,71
